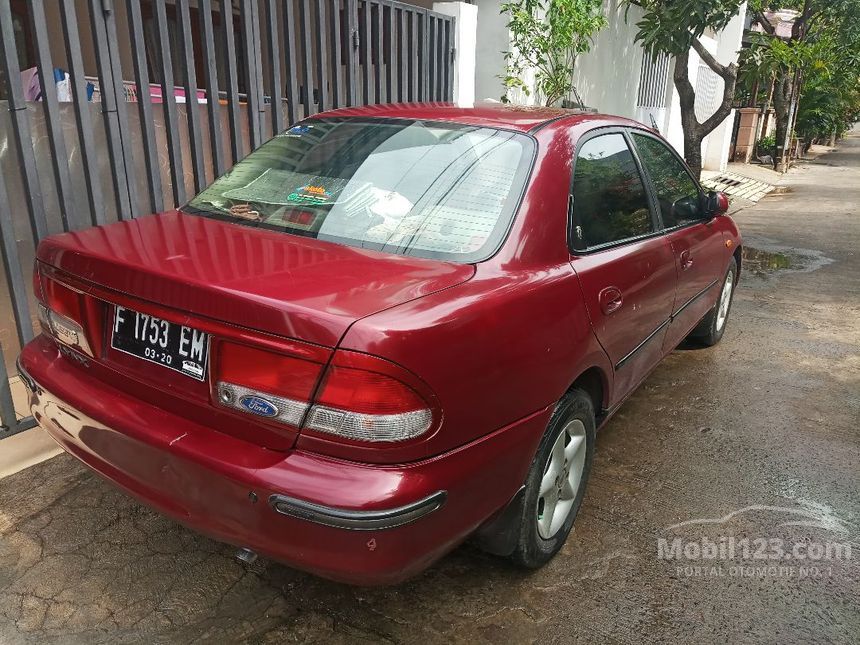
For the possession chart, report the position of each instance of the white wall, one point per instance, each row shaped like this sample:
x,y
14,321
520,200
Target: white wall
x,y
715,148
607,77
465,47
492,40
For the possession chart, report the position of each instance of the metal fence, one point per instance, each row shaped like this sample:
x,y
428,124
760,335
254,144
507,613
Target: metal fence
x,y
140,103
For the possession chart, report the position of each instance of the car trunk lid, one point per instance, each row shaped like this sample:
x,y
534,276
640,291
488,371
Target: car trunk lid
x,y
285,285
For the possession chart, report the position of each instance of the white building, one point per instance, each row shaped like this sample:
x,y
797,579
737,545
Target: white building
x,y
617,77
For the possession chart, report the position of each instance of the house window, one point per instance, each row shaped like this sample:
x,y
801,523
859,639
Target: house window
x,y
653,76
709,92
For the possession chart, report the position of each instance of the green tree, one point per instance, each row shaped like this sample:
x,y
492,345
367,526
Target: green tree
x,y
674,27
546,37
803,55
830,99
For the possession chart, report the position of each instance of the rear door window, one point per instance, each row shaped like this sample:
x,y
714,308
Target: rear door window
x,y
610,203
428,189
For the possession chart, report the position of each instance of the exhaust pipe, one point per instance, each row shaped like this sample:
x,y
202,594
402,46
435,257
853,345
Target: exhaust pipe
x,y
245,556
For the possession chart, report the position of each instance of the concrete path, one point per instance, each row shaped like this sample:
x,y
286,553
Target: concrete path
x,y
758,435
737,185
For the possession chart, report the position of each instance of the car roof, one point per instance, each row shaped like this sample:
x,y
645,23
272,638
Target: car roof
x,y
490,114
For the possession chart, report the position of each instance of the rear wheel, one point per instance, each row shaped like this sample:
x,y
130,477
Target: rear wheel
x,y
556,481
710,330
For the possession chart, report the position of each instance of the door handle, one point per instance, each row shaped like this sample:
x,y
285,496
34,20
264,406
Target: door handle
x,y
610,300
686,259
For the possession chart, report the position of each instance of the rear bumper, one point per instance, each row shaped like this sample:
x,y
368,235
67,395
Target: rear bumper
x,y
352,522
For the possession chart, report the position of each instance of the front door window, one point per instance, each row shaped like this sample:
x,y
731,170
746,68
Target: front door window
x,y
677,192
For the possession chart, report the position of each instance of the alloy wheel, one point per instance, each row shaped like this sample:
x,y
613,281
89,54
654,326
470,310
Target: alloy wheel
x,y
725,300
561,479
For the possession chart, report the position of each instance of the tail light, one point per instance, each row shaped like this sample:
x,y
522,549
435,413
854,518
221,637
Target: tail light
x,y
61,312
368,406
352,403
266,384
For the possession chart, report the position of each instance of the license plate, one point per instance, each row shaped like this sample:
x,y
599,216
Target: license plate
x,y
180,348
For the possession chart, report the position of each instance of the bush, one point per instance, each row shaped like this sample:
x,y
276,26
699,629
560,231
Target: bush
x,y
766,145
546,37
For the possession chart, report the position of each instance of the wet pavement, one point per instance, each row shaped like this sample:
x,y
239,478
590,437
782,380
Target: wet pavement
x,y
747,449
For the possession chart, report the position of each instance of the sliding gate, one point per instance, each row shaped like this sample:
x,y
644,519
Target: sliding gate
x,y
111,109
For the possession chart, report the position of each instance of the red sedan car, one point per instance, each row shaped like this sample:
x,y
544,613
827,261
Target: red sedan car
x,y
385,331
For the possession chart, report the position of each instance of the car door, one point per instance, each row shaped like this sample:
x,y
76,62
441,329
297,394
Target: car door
x,y
626,268
698,248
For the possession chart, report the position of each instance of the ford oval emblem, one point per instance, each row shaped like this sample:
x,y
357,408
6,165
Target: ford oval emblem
x,y
259,406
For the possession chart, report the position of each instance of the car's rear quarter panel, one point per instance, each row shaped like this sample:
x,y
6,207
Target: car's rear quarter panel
x,y
510,341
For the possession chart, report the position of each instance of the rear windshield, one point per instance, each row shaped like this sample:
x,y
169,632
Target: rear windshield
x,y
419,188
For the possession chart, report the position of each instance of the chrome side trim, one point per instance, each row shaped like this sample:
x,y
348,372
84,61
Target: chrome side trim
x,y
671,318
694,298
648,339
357,520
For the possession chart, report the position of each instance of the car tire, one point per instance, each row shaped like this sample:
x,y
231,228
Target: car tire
x,y
711,328
541,537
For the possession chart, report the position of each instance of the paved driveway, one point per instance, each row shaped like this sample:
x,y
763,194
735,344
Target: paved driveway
x,y
765,424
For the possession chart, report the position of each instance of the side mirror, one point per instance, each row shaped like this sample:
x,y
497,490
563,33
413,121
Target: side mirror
x,y
718,203
687,209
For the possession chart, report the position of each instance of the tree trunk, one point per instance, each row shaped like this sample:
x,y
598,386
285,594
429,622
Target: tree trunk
x,y
766,113
689,123
782,108
695,132
693,153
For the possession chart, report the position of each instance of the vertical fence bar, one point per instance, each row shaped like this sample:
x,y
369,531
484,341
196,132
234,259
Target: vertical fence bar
x,y
119,105
307,58
403,94
365,52
192,109
351,51
449,60
379,59
391,68
168,98
21,124
10,423
86,139
291,60
322,56
51,107
252,71
424,68
8,419
144,105
232,81
273,39
413,56
11,259
441,60
109,114
433,59
212,96
258,54
337,55
14,278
